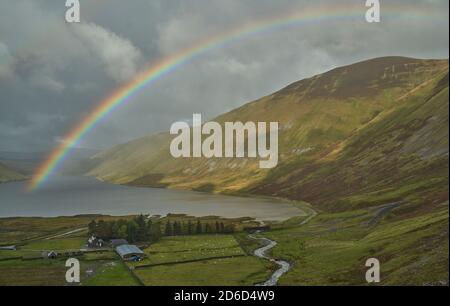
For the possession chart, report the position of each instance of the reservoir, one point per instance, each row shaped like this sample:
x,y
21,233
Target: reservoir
x,y
70,196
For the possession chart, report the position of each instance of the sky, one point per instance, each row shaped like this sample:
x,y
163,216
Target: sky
x,y
53,73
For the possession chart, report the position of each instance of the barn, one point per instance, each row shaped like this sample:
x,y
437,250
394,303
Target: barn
x,y
118,242
130,252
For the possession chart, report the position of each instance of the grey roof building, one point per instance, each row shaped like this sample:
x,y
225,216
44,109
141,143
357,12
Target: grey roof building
x,y
8,248
118,242
130,252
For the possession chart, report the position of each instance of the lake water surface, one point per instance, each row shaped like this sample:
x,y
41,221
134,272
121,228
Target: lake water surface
x,y
69,196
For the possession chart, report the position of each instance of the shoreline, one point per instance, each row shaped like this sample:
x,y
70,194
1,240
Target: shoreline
x,y
302,209
296,203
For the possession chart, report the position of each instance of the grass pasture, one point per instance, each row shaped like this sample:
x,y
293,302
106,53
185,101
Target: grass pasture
x,y
110,273
330,249
32,272
59,244
191,248
197,260
245,271
200,261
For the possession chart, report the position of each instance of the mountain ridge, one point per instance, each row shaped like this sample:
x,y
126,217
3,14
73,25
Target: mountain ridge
x,y
321,118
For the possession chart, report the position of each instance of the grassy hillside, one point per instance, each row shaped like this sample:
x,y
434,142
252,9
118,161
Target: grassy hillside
x,y
358,128
8,175
366,145
402,154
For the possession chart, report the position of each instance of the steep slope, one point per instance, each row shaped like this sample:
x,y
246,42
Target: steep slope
x,y
374,126
8,175
401,155
366,145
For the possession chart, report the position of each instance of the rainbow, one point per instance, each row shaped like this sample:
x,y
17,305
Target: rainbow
x,y
170,63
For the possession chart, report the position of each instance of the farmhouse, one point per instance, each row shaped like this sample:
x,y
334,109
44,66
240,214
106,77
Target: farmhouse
x,y
94,243
52,255
130,252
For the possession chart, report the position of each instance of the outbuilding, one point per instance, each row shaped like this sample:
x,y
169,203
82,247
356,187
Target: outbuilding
x,y
52,255
130,252
8,248
118,242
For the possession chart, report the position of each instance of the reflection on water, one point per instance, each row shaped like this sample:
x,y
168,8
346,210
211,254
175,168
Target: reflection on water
x,y
68,196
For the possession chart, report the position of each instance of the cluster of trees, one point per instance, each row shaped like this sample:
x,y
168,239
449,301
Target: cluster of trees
x,y
177,228
138,229
141,229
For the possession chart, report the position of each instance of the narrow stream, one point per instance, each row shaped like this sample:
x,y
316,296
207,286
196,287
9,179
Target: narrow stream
x,y
284,266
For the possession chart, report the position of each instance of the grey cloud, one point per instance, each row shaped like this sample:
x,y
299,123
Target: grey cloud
x,y
52,74
5,62
119,56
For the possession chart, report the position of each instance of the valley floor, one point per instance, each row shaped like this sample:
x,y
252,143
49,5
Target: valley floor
x,y
332,249
327,249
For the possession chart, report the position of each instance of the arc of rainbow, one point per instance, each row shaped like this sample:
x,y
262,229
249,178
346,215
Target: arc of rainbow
x,y
171,63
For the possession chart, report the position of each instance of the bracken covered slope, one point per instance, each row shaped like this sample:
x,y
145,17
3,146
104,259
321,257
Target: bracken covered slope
x,y
376,126
366,145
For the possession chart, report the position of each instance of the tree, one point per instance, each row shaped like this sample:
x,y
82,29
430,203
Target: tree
x,y
104,230
141,234
92,227
217,227
115,229
198,229
190,228
149,230
155,231
132,230
174,228
229,228
180,228
122,232
208,229
169,230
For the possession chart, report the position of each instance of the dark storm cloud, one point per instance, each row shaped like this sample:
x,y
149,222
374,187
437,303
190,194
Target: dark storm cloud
x,y
53,73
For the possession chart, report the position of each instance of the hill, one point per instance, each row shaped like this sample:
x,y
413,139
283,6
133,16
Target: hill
x,y
8,175
346,137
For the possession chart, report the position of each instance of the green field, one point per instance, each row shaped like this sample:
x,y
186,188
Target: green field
x,y
200,261
60,244
21,230
179,249
221,272
113,273
32,272
184,260
330,249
